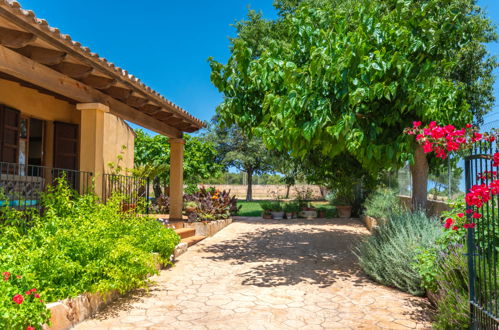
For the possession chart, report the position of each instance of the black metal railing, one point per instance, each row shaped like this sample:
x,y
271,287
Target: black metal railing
x,y
21,185
483,242
133,190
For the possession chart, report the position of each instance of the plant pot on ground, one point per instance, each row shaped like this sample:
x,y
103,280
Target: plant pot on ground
x,y
291,209
266,209
343,198
277,210
190,207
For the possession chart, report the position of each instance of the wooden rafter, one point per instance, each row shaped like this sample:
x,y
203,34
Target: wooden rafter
x,y
119,93
98,81
43,55
73,70
15,39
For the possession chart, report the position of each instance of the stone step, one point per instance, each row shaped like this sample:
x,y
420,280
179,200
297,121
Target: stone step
x,y
193,240
186,232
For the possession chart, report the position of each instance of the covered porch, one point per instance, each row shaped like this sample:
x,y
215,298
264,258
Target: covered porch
x,y
62,107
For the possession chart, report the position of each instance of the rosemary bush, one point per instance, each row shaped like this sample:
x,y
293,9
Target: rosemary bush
x,y
388,255
382,203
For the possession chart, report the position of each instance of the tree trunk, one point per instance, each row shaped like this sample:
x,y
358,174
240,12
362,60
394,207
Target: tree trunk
x,y
288,187
419,171
156,184
249,192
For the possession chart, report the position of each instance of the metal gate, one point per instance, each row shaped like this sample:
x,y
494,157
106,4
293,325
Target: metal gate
x,y
483,241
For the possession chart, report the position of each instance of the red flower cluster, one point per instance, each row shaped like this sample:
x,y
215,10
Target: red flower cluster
x,y
6,276
18,299
487,175
496,159
478,195
442,139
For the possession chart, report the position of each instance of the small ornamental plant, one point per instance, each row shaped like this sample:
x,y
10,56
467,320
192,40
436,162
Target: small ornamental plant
x,y
21,307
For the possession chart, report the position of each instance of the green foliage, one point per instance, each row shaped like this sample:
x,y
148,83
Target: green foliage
x,y
152,154
79,245
338,78
452,287
388,255
212,204
21,305
382,203
266,205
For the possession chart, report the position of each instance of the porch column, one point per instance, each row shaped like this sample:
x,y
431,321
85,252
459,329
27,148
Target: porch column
x,y
92,141
176,178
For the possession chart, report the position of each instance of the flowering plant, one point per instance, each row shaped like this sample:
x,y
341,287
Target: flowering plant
x,y
21,307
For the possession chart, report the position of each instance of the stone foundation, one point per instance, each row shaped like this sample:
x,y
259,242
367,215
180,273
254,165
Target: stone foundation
x,y
208,228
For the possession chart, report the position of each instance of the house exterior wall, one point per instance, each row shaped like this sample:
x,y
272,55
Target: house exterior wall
x,y
119,139
32,103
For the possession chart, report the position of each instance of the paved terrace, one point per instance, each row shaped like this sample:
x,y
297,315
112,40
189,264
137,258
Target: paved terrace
x,y
268,274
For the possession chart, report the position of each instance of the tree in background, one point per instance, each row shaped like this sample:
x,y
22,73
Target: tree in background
x,y
236,149
152,159
344,78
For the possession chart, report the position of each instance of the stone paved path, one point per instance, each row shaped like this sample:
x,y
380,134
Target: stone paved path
x,y
268,274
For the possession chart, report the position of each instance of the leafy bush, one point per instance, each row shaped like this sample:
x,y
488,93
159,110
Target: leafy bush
x,y
388,255
21,306
79,245
452,287
382,203
213,204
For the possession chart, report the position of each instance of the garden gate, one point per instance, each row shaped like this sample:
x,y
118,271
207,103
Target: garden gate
x,y
483,241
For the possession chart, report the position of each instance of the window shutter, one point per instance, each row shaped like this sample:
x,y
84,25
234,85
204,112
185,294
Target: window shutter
x,y
66,146
9,134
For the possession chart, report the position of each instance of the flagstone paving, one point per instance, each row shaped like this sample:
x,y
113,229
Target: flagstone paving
x,y
268,274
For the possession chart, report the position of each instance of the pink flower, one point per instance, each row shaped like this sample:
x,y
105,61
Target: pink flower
x,y
469,126
455,228
427,147
469,211
37,295
27,293
416,124
460,215
477,215
30,328
18,299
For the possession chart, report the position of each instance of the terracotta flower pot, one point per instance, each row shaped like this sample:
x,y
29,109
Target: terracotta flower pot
x,y
344,211
266,215
277,215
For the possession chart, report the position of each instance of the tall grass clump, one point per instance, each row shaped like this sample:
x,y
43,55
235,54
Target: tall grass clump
x,y
382,203
388,254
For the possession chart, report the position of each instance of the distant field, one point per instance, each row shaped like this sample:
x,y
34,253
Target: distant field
x,y
253,209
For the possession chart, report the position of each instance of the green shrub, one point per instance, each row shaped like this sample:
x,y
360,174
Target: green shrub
x,y
388,255
79,245
452,287
382,203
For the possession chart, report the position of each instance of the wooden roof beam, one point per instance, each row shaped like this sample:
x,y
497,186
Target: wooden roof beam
x,y
43,55
25,69
98,82
136,101
119,93
14,38
150,108
73,70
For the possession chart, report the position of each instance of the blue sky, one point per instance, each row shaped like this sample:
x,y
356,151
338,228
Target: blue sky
x,y
166,43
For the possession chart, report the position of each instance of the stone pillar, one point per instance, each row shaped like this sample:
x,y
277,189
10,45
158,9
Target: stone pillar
x,y
92,141
176,178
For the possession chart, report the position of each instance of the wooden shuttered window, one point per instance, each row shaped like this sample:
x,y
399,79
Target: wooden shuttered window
x,y
66,146
9,134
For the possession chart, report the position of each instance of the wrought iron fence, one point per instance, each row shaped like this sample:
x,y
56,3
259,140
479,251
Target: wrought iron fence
x,y
133,190
21,185
483,242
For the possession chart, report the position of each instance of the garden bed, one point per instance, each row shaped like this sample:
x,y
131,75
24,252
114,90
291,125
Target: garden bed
x,y
208,228
369,222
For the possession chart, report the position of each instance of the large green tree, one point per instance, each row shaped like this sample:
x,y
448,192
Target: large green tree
x,y
152,157
346,77
238,150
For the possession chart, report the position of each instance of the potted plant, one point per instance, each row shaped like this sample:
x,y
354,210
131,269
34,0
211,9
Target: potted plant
x,y
308,212
321,212
190,207
266,209
291,209
277,210
343,198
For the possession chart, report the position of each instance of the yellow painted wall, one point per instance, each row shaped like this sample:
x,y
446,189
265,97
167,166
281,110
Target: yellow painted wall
x,y
116,135
31,103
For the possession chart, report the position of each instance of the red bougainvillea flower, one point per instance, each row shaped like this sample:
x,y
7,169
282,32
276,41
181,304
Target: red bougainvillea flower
x,y
30,328
33,290
455,228
448,223
37,295
496,159
27,293
416,124
18,299
469,126
469,211
478,195
460,215
477,215
469,225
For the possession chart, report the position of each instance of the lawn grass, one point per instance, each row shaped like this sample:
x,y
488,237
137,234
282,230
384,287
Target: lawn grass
x,y
253,209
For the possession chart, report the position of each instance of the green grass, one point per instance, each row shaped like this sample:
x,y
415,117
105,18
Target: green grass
x,y
253,209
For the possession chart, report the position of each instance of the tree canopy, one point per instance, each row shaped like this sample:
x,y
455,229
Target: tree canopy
x,y
339,77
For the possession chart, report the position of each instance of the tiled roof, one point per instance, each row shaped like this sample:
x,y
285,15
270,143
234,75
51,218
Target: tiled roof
x,y
29,17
